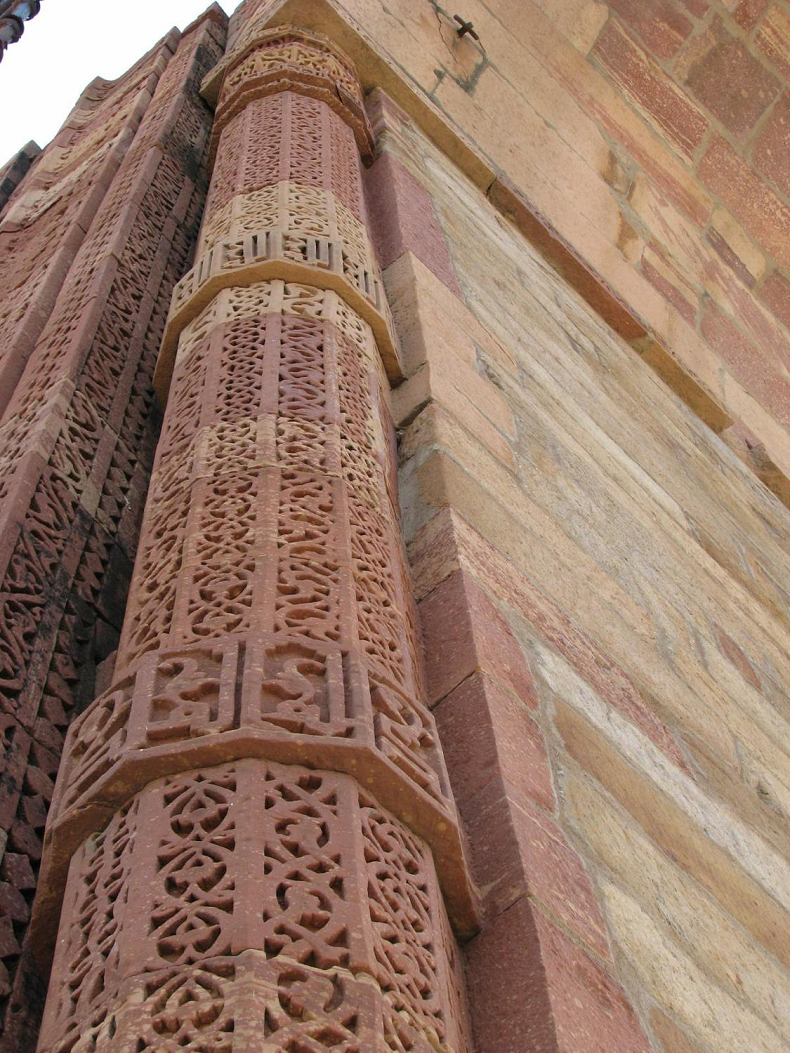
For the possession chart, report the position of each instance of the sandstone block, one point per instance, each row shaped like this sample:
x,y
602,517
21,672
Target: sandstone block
x,y
661,26
771,150
664,106
726,78
773,38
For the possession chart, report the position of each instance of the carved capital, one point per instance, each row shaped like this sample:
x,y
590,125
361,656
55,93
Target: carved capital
x,y
287,59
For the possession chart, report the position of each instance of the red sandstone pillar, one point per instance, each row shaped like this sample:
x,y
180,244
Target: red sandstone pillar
x,y
261,844
91,246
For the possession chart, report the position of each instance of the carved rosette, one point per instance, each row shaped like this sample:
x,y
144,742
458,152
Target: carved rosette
x,y
282,848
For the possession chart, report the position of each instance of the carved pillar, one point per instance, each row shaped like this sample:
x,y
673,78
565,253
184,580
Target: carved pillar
x,y
262,841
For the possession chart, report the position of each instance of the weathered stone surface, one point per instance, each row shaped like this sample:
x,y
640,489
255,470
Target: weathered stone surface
x,y
667,891
218,824
122,185
403,219
664,104
574,1005
602,573
772,147
615,549
727,79
292,868
585,137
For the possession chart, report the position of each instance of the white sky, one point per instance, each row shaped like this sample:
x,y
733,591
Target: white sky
x,y
68,44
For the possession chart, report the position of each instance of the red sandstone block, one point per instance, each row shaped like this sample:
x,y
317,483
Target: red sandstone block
x,y
44,759
749,12
8,941
403,218
51,706
698,8
34,811
726,78
15,743
775,294
658,24
725,252
464,632
13,904
756,323
22,838
755,372
534,990
519,851
661,102
590,1009
672,285
493,747
773,38
511,1001
723,172
16,869
771,151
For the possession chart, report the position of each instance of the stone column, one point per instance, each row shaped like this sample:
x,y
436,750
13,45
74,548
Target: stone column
x,y
261,845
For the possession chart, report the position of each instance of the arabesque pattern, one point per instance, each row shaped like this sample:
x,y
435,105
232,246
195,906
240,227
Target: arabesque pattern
x,y
91,246
284,841
261,858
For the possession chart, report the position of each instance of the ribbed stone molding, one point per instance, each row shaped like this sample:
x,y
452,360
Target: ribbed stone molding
x,y
302,97
267,61
264,851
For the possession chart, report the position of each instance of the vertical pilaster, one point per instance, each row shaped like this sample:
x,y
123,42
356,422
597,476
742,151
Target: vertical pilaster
x,y
91,247
261,844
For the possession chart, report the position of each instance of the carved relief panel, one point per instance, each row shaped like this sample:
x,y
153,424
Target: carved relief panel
x,y
284,848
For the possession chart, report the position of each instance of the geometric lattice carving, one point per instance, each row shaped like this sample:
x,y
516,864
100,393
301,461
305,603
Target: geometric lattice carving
x,y
286,199
292,868
264,62
331,252
283,826
91,245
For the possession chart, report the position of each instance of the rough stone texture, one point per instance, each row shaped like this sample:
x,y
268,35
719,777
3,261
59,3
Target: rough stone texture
x,y
603,589
292,875
253,824
76,441
605,98
259,822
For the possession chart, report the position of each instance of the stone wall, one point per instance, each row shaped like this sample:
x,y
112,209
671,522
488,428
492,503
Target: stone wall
x,y
648,141
602,586
600,568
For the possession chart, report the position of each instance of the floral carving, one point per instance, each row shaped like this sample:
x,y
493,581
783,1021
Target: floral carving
x,y
269,870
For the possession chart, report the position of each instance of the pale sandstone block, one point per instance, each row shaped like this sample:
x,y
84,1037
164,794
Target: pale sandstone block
x,y
679,835
428,386
672,898
722,827
738,241
538,160
683,987
673,1039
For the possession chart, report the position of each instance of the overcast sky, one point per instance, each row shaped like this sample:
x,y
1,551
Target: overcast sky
x,y
68,44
